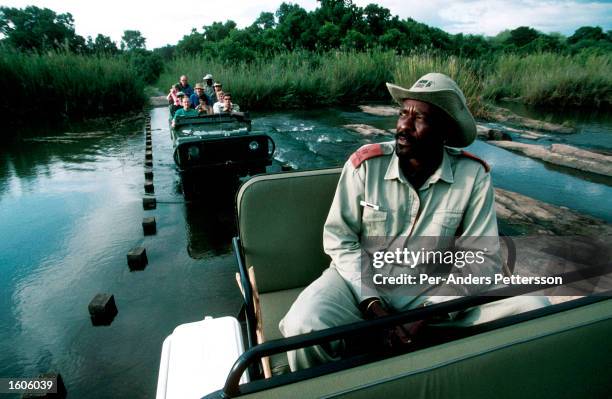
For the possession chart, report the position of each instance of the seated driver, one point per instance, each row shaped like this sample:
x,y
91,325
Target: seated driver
x,y
419,185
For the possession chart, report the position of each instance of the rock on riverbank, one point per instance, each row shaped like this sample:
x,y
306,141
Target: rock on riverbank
x,y
533,216
504,115
367,130
564,155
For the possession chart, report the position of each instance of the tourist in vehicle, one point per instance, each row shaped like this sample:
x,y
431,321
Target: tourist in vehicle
x,y
185,111
173,99
203,107
209,89
218,90
184,86
195,97
413,187
226,105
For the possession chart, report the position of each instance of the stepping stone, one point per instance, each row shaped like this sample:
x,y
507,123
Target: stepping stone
x,y
149,203
102,309
149,226
137,258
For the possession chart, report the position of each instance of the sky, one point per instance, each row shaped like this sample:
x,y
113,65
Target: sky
x,y
166,22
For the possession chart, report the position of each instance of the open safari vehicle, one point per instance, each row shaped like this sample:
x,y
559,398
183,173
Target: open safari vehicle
x,y
559,351
220,142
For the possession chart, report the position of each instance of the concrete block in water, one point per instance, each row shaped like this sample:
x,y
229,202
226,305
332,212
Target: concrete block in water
x,y
149,226
148,186
148,174
59,385
137,258
148,147
149,203
102,309
148,154
149,162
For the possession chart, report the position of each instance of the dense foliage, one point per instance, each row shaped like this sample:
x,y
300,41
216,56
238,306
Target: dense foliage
x,y
340,24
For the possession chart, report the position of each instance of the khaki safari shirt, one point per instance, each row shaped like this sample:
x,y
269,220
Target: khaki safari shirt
x,y
373,198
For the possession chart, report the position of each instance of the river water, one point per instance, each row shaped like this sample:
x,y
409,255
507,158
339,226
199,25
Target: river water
x,y
71,209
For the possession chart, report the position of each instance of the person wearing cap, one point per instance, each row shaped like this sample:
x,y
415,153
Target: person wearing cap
x,y
179,102
209,89
184,86
195,97
419,185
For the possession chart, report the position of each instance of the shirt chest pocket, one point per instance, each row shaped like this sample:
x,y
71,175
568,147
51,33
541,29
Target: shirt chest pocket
x,y
374,223
446,222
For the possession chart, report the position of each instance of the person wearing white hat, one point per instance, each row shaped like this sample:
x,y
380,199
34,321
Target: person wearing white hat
x,y
419,185
209,89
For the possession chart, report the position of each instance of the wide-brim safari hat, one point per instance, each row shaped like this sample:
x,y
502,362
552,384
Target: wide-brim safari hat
x,y
199,86
207,76
441,91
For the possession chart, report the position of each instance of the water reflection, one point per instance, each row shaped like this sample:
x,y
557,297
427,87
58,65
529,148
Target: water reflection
x,y
209,213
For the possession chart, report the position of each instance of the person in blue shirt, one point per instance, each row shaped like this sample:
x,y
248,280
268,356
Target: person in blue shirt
x,y
185,88
195,97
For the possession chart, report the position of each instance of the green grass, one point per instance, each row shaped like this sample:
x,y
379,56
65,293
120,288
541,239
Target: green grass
x,y
553,80
302,79
59,86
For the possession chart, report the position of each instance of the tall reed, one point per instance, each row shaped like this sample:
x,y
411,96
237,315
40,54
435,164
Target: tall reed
x,y
552,79
293,80
304,79
59,85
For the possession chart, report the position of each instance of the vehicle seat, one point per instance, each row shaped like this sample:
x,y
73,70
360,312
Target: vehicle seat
x,y
287,253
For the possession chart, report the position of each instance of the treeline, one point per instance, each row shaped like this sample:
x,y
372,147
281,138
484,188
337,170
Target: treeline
x,y
342,25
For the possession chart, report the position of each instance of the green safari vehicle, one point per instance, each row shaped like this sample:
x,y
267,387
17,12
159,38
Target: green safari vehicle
x,y
220,142
560,351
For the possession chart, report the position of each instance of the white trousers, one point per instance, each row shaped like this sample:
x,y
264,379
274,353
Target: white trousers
x,y
329,302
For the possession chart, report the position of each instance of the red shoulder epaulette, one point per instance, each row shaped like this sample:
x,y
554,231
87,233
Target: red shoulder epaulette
x,y
475,158
365,153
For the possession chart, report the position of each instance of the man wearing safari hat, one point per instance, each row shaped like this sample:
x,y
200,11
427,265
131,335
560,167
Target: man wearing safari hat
x,y
209,89
414,186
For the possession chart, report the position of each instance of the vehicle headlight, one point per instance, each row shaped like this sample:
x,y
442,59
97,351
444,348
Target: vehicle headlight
x,y
253,145
193,152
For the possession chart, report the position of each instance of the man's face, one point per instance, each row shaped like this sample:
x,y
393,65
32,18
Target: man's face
x,y
199,91
416,136
186,103
227,99
183,80
209,82
218,89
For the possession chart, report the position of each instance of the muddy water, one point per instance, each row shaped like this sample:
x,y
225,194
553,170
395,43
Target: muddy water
x,y
71,208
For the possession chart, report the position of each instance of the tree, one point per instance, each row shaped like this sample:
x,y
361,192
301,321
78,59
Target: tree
x,y
522,36
132,40
218,30
191,44
34,28
102,45
587,33
377,18
265,21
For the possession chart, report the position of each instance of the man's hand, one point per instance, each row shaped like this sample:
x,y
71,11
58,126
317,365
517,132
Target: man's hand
x,y
398,336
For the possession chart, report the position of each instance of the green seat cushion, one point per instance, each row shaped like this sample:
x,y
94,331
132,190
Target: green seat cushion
x,y
274,306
